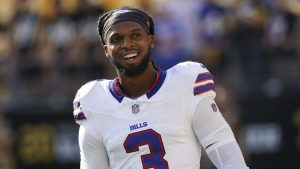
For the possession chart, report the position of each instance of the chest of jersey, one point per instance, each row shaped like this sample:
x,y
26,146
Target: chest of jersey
x,y
148,133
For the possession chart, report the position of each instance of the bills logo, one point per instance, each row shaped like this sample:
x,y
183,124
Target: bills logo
x,y
137,126
135,108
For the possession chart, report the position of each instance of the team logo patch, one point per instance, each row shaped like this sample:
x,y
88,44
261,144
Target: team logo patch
x,y
214,107
135,108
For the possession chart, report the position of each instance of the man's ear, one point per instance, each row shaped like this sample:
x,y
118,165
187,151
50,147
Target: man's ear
x,y
105,49
151,41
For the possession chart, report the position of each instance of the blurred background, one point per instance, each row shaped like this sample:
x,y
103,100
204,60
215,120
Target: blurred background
x,y
49,48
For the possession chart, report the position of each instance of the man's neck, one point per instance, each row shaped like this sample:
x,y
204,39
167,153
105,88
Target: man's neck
x,y
138,85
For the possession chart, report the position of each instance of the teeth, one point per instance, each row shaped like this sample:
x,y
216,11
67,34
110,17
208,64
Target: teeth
x,y
130,56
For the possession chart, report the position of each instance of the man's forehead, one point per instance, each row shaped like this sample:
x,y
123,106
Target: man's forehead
x,y
127,26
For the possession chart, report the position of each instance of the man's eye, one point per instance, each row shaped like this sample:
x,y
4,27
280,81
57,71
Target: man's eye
x,y
115,40
136,35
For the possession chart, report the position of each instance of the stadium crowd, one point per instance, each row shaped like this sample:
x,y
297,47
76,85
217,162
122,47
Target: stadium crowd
x,y
48,48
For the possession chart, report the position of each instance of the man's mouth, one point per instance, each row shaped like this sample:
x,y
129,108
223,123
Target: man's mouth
x,y
130,56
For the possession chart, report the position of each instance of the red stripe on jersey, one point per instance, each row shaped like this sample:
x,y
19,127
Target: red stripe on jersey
x,y
204,92
203,88
117,88
156,80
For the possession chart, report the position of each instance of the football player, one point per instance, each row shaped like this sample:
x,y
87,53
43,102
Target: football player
x,y
146,117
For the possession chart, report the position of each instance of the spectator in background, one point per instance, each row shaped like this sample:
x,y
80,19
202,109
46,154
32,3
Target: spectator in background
x,y
173,46
170,48
185,14
6,159
282,32
245,51
212,30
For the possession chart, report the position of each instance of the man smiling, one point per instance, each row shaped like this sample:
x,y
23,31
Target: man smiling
x,y
146,117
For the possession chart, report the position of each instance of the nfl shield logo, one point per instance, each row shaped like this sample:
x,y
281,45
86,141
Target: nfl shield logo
x,y
135,108
214,107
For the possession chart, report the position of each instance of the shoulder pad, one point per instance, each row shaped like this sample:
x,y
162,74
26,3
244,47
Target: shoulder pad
x,y
191,67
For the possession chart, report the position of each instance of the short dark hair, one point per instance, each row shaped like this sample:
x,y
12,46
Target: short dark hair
x,y
105,16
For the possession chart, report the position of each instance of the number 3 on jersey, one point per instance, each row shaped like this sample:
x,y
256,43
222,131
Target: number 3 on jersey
x,y
157,151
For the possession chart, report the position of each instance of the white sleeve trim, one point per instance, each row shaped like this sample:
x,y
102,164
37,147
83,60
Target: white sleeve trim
x,y
218,138
228,156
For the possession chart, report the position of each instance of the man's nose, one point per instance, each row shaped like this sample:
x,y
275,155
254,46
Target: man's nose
x,y
127,43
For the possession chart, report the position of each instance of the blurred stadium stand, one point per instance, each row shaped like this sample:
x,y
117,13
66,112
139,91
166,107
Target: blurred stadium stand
x,y
49,48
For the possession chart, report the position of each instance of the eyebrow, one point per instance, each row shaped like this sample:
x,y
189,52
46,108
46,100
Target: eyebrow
x,y
134,30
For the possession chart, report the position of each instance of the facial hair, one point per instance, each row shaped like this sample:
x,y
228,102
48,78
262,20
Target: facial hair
x,y
134,70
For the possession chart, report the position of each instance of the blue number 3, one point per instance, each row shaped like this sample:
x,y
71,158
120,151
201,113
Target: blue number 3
x,y
153,140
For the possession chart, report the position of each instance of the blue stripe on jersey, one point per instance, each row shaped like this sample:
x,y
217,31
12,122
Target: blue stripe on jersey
x,y
204,88
114,92
120,95
79,116
159,83
203,76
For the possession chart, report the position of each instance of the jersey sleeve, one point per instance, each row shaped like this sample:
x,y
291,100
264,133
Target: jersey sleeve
x,y
203,85
197,83
197,80
209,125
207,121
92,150
80,107
228,156
78,113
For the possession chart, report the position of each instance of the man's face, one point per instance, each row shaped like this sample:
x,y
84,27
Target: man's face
x,y
128,47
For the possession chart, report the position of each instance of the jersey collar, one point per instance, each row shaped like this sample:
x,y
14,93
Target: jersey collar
x,y
116,90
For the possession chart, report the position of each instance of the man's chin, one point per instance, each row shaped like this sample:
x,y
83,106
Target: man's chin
x,y
133,71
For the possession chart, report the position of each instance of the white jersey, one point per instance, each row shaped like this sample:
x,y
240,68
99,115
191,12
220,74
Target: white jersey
x,y
156,130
